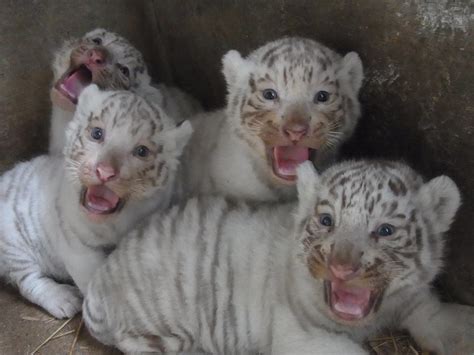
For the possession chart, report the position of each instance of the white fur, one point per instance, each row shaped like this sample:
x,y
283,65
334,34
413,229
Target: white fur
x,y
443,193
225,157
45,234
220,277
176,103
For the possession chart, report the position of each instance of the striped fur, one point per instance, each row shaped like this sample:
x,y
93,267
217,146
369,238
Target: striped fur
x,y
225,277
47,235
231,150
120,53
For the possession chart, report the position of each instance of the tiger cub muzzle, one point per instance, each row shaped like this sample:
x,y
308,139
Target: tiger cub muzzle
x,y
352,291
290,144
103,192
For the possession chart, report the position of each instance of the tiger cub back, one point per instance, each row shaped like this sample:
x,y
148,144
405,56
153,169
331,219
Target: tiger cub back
x,y
356,253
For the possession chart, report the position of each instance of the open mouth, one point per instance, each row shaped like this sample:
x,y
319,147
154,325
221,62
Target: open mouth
x,y
347,302
73,82
285,160
100,200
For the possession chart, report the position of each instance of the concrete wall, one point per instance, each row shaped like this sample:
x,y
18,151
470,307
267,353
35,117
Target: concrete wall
x,y
417,96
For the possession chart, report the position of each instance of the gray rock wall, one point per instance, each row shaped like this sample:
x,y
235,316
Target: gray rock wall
x,y
417,95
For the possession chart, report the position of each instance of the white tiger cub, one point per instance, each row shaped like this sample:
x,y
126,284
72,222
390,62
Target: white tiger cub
x,y
60,216
289,101
111,62
355,254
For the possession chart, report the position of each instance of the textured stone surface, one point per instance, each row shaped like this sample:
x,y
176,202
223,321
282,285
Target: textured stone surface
x,y
418,96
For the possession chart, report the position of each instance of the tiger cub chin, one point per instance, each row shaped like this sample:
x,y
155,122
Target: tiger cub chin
x,y
108,60
60,216
356,253
289,101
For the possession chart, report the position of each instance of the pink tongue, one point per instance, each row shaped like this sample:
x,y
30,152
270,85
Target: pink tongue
x,y
288,158
77,82
101,198
352,301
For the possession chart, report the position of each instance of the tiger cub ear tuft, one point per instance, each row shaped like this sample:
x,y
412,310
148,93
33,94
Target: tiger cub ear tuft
x,y
89,95
352,71
307,183
439,200
232,64
178,137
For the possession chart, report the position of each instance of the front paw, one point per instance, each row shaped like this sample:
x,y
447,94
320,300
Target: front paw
x,y
63,301
452,331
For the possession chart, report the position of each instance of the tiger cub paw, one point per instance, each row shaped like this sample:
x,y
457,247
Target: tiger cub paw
x,y
63,301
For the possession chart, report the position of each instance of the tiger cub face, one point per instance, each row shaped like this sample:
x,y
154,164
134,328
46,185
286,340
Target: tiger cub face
x,y
292,100
370,231
100,57
120,148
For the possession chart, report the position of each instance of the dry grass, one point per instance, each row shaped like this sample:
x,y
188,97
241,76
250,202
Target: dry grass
x,y
56,334
76,336
389,343
399,343
48,339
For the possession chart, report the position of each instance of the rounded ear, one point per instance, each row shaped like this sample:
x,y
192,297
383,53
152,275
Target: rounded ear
x,y
232,63
177,138
89,95
352,71
95,31
439,200
307,183
143,78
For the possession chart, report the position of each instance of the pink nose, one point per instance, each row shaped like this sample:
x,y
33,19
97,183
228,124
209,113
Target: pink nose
x,y
97,57
105,172
343,272
296,131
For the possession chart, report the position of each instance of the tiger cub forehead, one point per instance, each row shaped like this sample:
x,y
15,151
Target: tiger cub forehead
x,y
125,114
295,62
368,189
123,110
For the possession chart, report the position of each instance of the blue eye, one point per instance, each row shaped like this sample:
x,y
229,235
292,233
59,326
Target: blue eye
x,y
269,94
97,134
325,219
385,230
142,151
321,96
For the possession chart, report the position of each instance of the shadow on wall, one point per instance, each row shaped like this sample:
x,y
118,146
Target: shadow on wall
x,y
417,54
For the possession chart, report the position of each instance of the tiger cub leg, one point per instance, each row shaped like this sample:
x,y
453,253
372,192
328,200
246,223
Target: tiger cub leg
x,y
132,343
102,324
444,328
290,338
60,300
136,344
